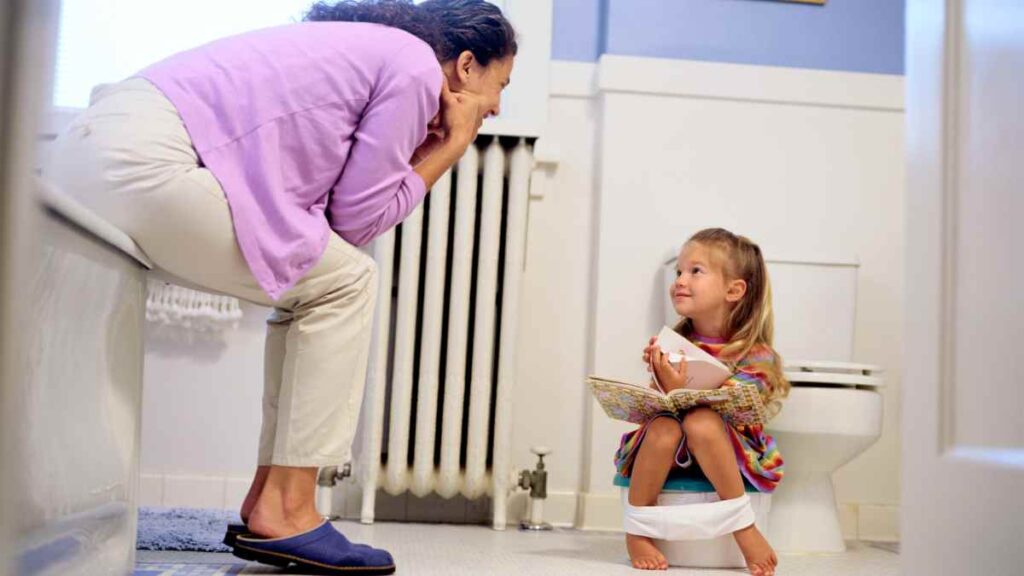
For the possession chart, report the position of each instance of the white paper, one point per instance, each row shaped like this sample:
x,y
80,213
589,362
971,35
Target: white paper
x,y
703,371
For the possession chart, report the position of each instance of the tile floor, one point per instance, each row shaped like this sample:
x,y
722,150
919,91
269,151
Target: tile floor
x,y
451,550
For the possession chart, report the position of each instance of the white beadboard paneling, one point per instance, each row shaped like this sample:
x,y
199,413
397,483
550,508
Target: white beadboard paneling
x,y
806,163
573,79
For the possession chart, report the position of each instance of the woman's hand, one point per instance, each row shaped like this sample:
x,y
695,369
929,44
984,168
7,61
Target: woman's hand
x,y
461,115
671,377
460,118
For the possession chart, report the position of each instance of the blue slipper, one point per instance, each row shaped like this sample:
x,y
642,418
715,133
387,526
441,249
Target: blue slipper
x,y
233,532
322,550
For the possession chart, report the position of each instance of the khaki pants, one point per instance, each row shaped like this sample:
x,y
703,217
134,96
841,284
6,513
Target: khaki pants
x,y
130,159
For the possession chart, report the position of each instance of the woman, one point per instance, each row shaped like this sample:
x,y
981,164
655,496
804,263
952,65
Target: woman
x,y
254,166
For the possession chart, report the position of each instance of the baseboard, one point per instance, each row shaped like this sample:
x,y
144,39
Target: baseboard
x,y
600,512
559,508
878,522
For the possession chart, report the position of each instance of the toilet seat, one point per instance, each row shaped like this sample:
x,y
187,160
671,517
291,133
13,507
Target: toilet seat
x,y
827,374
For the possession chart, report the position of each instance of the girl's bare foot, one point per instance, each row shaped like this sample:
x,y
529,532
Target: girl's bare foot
x,y
644,554
761,559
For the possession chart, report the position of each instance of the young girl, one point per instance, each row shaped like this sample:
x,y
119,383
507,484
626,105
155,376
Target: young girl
x,y
723,295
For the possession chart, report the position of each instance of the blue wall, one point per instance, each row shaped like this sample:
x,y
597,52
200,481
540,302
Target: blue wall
x,y
849,35
576,33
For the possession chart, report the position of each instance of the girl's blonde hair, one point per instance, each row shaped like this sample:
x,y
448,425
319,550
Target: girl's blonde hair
x,y
751,321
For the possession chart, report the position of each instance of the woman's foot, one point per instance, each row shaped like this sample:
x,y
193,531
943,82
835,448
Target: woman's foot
x,y
644,554
275,522
286,505
761,559
255,489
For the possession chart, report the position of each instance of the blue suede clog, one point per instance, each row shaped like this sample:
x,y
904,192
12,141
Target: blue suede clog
x,y
322,550
234,531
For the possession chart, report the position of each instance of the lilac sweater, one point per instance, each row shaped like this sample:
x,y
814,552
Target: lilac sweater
x,y
308,127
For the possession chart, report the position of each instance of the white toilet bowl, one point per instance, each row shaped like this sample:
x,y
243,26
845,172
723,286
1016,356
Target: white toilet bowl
x,y
832,414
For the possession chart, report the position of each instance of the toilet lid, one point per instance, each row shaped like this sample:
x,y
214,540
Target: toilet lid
x,y
815,372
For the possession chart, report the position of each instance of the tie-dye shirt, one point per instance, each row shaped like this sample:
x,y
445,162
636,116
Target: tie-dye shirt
x,y
757,454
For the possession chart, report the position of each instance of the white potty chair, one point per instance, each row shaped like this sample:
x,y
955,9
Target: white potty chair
x,y
691,526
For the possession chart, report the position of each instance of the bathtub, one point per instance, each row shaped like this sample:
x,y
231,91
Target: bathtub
x,y
78,397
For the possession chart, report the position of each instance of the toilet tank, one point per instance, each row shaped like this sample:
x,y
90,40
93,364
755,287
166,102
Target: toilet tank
x,y
814,304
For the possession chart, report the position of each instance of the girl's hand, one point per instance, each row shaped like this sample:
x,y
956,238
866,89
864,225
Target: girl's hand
x,y
461,115
647,352
671,377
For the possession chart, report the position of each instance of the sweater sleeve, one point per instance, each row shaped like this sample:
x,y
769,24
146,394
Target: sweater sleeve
x,y
378,187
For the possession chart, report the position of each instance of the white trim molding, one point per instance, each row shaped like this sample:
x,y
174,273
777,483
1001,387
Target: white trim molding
x,y
724,81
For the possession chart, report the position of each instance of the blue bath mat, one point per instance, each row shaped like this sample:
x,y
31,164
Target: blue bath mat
x,y
184,529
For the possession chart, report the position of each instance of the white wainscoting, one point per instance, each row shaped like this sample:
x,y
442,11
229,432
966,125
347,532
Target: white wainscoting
x,y
807,163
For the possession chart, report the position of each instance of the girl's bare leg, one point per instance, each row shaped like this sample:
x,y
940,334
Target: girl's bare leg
x,y
650,469
709,443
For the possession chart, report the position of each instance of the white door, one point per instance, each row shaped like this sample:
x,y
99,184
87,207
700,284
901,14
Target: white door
x,y
963,401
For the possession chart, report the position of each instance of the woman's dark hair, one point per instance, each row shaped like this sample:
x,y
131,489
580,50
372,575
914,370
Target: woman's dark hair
x,y
448,26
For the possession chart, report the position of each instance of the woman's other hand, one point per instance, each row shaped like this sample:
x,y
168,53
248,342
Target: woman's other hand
x,y
462,115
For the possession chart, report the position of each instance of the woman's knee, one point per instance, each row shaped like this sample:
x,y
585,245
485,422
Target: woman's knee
x,y
701,425
663,433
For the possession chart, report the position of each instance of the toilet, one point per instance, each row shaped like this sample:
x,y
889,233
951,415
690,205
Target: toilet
x,y
834,409
832,414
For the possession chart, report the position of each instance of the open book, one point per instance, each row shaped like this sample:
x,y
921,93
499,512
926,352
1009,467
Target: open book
x,y
738,405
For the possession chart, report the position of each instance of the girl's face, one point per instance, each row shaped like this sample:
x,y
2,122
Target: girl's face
x,y
701,292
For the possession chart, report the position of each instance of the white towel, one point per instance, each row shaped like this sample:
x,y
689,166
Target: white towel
x,y
172,305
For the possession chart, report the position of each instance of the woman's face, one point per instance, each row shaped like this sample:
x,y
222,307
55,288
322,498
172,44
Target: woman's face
x,y
465,74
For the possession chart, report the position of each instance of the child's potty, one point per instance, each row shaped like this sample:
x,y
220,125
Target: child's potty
x,y
691,526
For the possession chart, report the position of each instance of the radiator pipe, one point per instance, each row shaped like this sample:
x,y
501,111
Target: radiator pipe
x,y
326,480
536,481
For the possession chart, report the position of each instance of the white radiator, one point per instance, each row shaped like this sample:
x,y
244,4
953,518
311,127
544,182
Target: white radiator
x,y
444,328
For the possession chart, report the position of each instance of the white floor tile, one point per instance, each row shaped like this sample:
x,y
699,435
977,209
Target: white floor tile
x,y
447,550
